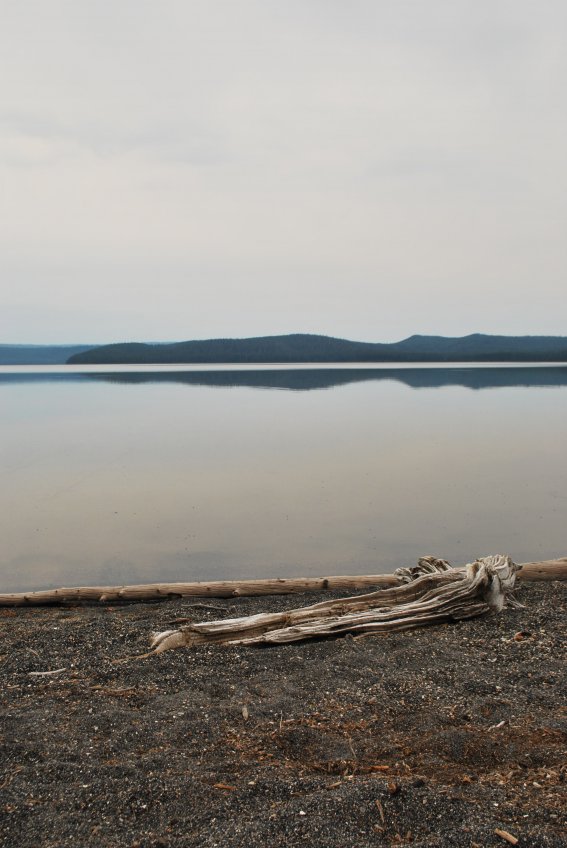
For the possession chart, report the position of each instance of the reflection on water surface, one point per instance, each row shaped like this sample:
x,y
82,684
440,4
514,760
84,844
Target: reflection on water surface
x,y
304,379
194,474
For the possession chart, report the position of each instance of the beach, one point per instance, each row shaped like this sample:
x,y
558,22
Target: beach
x,y
450,735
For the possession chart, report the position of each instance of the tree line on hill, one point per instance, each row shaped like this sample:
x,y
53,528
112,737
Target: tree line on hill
x,y
296,348
316,348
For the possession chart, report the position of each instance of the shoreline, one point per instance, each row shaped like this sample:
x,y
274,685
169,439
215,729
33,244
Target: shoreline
x,y
438,736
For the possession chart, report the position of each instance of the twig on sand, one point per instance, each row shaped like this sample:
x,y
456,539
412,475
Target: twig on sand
x,y
508,837
46,673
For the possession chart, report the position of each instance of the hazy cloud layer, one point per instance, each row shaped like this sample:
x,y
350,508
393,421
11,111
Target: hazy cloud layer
x,y
210,167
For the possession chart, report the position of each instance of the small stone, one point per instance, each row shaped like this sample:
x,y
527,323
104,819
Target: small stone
x,y
521,635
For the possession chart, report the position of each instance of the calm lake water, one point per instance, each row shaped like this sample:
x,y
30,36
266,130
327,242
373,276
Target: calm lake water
x,y
183,473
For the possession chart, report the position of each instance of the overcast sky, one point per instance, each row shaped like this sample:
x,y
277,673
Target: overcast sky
x,y
362,168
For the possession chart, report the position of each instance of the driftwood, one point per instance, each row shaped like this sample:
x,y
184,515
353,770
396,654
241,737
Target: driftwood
x,y
433,592
555,569
200,589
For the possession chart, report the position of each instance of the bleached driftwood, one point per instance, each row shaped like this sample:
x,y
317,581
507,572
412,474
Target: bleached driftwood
x,y
433,592
199,589
548,569
555,569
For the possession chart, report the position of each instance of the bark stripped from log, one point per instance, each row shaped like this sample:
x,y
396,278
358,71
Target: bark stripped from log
x,y
555,569
550,569
433,592
200,589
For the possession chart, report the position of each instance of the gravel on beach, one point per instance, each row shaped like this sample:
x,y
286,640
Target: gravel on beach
x,y
451,735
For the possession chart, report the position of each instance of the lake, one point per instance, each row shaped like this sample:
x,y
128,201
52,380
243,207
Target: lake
x,y
141,474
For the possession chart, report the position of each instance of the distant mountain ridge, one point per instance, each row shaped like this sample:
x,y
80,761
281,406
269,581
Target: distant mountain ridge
x,y
11,354
303,347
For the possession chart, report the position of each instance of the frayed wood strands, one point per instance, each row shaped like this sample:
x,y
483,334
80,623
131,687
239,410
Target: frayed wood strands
x,y
432,593
555,569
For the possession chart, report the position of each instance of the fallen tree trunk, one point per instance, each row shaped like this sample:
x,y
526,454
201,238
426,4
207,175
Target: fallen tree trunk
x,y
433,593
551,569
555,569
201,589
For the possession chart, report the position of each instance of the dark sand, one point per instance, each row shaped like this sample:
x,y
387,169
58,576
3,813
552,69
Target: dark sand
x,y
438,736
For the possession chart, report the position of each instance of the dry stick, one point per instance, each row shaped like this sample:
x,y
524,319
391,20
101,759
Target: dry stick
x,y
46,673
508,837
555,569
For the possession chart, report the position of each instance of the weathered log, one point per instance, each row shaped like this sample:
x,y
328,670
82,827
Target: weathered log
x,y
209,589
546,570
550,569
433,593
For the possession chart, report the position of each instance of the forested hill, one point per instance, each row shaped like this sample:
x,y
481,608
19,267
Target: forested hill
x,y
38,354
314,348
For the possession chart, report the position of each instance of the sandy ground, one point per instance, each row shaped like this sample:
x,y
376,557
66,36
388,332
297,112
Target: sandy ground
x,y
436,737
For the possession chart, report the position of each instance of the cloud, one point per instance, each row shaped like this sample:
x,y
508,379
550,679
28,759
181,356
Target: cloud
x,y
369,159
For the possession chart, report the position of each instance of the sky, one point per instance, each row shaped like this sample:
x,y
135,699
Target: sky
x,y
367,169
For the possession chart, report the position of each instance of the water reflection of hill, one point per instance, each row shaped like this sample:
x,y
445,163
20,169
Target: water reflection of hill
x,y
319,378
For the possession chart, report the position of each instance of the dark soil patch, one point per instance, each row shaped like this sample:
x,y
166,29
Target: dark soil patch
x,y
436,737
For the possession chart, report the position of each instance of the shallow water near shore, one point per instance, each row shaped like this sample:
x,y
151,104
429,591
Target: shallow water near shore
x,y
189,473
